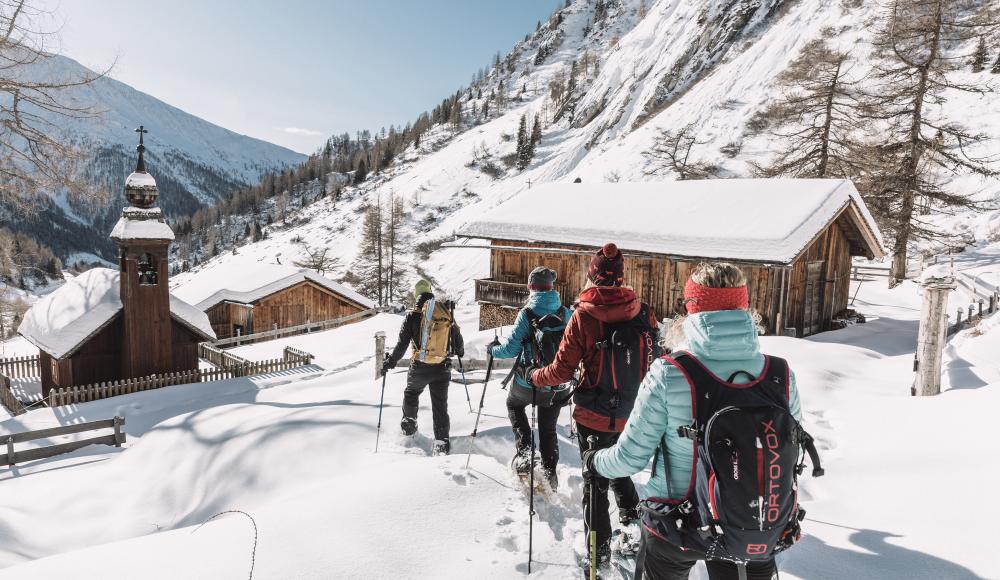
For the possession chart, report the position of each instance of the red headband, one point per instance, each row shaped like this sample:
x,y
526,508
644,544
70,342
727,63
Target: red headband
x,y
700,298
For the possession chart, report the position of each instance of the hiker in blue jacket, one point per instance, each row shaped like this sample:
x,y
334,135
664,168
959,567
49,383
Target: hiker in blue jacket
x,y
721,334
543,301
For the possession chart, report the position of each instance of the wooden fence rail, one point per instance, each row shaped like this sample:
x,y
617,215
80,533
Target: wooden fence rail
x,y
20,367
298,329
97,391
7,398
219,357
14,457
296,355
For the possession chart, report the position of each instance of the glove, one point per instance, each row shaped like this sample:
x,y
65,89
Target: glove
x,y
491,346
526,376
388,365
589,472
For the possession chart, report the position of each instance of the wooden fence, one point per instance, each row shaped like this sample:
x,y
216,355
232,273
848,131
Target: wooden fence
x,y
20,367
14,457
298,329
97,391
219,357
7,398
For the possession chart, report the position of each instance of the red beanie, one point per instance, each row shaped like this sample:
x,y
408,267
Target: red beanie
x,y
607,267
698,298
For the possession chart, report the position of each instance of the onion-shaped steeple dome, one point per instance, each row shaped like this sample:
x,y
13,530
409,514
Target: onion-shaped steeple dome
x,y
140,187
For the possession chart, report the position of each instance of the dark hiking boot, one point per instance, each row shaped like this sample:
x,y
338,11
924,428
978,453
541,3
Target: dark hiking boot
x,y
551,477
442,447
408,425
603,554
628,517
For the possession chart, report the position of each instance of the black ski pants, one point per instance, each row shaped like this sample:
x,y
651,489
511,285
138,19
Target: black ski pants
x,y
438,378
548,417
598,515
661,560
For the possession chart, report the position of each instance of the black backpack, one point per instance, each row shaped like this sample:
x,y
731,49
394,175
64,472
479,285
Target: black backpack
x,y
546,335
627,351
743,502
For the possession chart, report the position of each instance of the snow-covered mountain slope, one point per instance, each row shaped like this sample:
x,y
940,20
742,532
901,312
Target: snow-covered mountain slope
x,y
711,63
195,162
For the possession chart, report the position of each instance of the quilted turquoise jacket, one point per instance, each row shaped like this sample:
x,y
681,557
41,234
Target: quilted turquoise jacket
x,y
724,341
542,303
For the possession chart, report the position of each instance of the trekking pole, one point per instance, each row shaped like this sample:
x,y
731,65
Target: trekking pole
x,y
461,369
482,399
378,428
531,479
591,440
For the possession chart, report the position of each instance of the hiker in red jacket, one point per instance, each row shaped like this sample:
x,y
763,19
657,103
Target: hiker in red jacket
x,y
614,337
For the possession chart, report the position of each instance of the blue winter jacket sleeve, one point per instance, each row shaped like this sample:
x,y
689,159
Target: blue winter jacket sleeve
x,y
514,343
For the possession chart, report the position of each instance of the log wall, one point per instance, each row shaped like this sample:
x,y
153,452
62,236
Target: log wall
x,y
659,281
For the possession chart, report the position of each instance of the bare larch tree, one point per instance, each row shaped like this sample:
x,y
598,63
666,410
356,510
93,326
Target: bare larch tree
x,y
816,118
671,151
919,47
36,156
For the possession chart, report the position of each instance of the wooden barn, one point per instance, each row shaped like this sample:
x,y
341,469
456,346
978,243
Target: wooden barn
x,y
794,239
107,324
257,297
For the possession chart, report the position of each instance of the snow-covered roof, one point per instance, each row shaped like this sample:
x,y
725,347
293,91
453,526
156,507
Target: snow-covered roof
x,y
746,220
62,321
141,224
140,180
246,282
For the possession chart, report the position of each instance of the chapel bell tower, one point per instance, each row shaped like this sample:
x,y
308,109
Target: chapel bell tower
x,y
143,239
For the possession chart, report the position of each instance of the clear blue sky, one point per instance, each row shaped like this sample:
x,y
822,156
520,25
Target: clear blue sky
x,y
294,72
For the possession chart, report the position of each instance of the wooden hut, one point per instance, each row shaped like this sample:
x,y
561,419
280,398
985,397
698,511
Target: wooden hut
x,y
256,297
794,239
106,324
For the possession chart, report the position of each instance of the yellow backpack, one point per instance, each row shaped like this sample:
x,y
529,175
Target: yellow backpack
x,y
431,346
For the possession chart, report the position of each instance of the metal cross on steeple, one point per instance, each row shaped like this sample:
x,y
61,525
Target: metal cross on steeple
x,y
141,164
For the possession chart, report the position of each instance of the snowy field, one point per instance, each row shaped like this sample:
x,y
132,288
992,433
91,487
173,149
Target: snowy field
x,y
294,450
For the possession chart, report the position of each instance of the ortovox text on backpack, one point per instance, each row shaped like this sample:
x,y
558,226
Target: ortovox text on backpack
x,y
742,504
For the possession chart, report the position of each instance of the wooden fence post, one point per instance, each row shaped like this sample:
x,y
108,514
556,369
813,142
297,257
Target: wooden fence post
x,y
932,334
10,450
118,431
379,352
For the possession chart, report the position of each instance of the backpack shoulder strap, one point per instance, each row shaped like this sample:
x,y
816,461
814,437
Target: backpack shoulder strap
x,y
777,375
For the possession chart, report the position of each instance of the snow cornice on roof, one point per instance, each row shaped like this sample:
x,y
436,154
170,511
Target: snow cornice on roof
x,y
265,290
66,319
754,221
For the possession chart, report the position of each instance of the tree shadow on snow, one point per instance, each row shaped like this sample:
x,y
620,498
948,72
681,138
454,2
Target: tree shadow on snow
x,y
876,559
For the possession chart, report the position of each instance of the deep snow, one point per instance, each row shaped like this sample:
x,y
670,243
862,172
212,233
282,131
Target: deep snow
x,y
294,450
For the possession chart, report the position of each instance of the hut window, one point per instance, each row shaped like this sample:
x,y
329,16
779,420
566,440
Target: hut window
x,y
147,270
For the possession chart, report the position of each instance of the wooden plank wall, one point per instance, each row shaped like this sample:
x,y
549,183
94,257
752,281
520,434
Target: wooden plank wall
x,y
299,304
833,249
657,280
225,315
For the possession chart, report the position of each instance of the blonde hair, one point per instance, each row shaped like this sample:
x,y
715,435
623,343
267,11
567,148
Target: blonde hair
x,y
712,275
718,275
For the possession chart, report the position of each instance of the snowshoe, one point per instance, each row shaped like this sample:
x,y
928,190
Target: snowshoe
x,y
625,541
521,463
442,447
408,425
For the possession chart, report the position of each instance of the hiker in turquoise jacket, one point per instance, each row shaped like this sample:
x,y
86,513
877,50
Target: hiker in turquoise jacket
x,y
542,301
722,335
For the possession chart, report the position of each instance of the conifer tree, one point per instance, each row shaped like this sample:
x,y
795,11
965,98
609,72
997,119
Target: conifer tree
x,y
536,134
523,144
996,66
979,57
